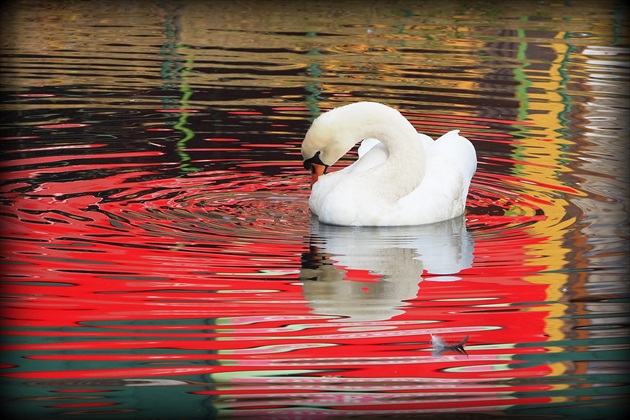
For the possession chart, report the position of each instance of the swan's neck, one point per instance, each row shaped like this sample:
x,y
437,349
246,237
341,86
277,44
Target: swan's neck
x,y
404,169
334,133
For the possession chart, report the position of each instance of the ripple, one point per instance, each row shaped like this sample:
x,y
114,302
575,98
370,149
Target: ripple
x,y
492,208
224,217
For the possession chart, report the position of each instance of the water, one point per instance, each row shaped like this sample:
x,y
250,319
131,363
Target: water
x,y
160,261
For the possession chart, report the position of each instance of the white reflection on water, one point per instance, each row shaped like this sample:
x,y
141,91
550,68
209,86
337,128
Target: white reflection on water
x,y
396,255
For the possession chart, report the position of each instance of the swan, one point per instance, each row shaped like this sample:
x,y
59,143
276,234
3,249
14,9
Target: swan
x,y
401,177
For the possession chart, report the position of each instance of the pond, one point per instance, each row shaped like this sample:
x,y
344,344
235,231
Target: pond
x,y
160,259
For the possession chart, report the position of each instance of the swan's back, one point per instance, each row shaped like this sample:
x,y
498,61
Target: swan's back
x,y
451,164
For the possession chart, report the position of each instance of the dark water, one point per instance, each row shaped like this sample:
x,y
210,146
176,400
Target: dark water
x,y
160,261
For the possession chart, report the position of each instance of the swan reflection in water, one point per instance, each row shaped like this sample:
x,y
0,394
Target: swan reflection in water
x,y
398,255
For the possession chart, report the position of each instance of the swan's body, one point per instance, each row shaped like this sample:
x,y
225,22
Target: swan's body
x,y
404,178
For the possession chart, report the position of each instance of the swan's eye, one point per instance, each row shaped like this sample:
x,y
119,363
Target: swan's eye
x,y
308,163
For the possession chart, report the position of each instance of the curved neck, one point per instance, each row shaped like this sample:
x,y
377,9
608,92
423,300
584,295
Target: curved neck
x,y
405,166
397,134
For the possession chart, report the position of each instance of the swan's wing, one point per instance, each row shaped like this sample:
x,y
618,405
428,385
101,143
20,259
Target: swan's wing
x,y
367,145
451,162
371,153
426,140
457,152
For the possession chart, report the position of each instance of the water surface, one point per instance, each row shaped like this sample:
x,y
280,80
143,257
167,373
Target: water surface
x,y
160,260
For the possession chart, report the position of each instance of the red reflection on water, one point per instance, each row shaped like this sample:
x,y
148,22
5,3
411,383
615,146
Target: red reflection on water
x,y
49,159
56,126
289,108
33,95
19,137
449,124
470,118
177,111
166,278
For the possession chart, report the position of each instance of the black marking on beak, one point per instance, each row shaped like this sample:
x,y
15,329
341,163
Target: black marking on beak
x,y
308,163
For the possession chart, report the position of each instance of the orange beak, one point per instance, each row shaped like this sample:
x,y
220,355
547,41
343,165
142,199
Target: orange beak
x,y
317,170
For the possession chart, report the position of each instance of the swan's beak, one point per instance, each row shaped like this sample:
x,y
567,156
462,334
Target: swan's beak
x,y
317,170
316,166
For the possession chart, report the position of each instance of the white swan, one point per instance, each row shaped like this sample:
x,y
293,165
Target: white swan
x,y
404,178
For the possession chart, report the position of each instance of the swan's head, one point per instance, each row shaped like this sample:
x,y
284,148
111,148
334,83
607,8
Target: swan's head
x,y
320,147
333,134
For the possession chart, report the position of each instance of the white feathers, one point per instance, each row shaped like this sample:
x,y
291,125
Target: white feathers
x,y
401,177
